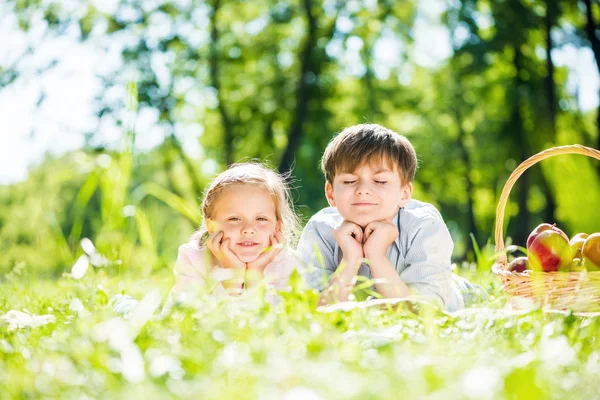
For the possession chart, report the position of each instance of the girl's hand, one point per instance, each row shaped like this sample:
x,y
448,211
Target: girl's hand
x,y
276,244
378,237
220,249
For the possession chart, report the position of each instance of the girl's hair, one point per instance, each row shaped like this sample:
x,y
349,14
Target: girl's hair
x,y
256,174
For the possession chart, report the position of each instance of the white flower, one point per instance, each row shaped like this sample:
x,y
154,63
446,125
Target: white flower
x,y
88,246
132,364
163,364
77,307
556,352
123,303
18,319
481,382
80,267
301,393
144,310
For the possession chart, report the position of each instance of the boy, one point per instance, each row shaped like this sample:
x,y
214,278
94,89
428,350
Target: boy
x,y
369,172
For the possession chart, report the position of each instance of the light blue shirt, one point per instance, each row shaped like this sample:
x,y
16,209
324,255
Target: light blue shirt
x,y
421,253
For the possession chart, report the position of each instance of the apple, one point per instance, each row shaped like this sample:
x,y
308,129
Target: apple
x,y
542,228
576,243
519,264
576,265
591,252
549,251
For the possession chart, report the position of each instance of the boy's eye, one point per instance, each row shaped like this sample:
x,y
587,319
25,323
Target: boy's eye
x,y
381,182
348,182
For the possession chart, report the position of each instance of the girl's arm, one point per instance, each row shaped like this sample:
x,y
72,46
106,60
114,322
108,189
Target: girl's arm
x,y
197,269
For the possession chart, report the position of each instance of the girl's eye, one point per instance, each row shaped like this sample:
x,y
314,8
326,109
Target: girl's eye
x,y
234,219
381,182
262,219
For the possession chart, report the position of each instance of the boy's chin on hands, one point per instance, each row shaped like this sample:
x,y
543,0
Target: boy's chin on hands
x,y
378,236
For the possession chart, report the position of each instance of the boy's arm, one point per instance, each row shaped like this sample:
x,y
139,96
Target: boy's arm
x,y
317,253
387,281
379,236
428,272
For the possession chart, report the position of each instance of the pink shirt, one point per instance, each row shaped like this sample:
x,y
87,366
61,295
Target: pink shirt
x,y
193,269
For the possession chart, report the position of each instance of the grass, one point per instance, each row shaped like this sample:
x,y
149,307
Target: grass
x,y
245,348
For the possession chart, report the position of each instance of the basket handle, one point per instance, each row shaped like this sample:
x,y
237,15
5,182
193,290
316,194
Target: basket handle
x,y
512,179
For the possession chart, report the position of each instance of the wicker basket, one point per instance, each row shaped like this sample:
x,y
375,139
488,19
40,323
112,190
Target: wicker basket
x,y
578,291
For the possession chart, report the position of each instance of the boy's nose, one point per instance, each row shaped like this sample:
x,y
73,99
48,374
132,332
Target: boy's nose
x,y
363,188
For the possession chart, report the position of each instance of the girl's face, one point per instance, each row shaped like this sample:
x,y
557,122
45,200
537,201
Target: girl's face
x,y
247,215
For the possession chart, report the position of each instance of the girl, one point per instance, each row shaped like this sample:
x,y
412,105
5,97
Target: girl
x,y
248,220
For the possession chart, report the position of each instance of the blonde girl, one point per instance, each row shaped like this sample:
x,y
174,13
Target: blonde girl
x,y
248,223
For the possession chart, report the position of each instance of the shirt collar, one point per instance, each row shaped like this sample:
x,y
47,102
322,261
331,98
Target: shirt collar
x,y
397,221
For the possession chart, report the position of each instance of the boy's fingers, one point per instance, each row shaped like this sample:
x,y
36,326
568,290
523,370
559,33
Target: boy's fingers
x,y
358,233
369,229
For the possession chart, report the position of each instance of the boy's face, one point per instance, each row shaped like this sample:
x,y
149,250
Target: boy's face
x,y
372,192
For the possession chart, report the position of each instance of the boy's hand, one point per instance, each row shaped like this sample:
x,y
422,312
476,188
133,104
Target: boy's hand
x,y
378,237
276,244
349,237
220,249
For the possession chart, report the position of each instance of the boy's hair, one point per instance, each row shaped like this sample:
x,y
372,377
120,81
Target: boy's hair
x,y
256,174
361,144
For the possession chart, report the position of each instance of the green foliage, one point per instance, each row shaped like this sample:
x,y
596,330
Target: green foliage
x,y
246,348
275,81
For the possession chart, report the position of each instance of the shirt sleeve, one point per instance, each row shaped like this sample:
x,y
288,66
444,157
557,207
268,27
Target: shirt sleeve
x,y
277,275
316,247
193,271
428,272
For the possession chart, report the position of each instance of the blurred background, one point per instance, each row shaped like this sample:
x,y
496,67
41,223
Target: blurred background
x,y
114,114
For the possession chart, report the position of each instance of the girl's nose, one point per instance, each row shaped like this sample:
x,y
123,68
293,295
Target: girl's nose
x,y
248,230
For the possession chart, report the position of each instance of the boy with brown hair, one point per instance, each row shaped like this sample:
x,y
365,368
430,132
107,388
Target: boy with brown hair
x,y
374,228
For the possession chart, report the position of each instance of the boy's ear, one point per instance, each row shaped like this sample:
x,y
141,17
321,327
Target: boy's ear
x,y
406,194
329,194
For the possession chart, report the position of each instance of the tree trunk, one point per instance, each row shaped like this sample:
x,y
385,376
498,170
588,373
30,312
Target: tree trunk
x,y
189,166
216,83
310,68
522,222
369,80
470,189
550,84
302,91
590,29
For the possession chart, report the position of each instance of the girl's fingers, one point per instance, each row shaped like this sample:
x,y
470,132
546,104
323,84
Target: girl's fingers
x,y
279,239
213,242
215,238
275,249
225,246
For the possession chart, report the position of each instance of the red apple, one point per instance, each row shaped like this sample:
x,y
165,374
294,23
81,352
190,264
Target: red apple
x,y
542,228
591,252
519,264
549,251
576,243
